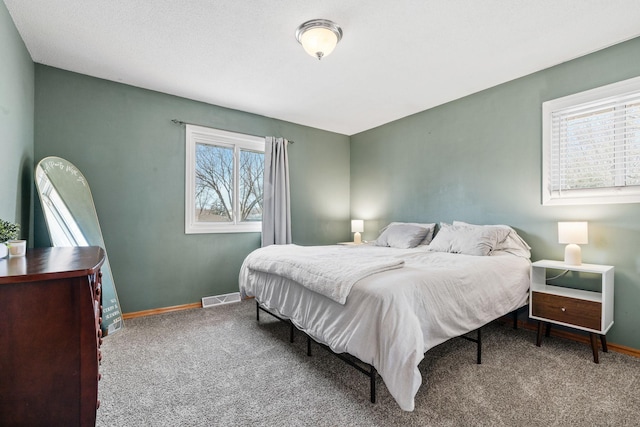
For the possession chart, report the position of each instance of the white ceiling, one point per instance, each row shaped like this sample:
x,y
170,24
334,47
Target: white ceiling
x,y
397,57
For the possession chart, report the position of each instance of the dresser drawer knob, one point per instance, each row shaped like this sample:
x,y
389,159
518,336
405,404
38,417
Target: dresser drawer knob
x,y
563,309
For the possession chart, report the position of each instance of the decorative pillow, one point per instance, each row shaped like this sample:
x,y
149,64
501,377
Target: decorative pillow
x,y
430,229
402,236
512,243
463,239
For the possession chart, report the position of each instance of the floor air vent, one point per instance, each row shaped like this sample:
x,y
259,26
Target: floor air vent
x,y
220,299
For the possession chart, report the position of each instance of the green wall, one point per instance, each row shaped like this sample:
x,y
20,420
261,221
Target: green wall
x,y
122,139
16,125
478,159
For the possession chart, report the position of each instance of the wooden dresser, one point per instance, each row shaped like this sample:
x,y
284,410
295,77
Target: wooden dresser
x,y
50,314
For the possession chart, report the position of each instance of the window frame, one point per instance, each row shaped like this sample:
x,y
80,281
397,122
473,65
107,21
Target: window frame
x,y
203,135
605,195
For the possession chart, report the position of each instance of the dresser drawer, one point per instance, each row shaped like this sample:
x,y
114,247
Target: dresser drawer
x,y
586,314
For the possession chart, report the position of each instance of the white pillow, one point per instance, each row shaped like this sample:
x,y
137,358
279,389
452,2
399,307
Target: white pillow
x,y
462,239
430,227
513,243
402,236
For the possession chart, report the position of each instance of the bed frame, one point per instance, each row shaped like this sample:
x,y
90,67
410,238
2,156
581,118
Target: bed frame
x,y
366,368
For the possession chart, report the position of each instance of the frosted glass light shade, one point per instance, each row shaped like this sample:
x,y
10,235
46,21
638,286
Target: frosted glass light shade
x,y
319,37
574,233
319,42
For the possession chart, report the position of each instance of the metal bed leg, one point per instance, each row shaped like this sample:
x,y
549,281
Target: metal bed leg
x,y
478,341
479,360
291,327
372,383
371,372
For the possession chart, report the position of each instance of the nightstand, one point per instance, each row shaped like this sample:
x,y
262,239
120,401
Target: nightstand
x,y
590,311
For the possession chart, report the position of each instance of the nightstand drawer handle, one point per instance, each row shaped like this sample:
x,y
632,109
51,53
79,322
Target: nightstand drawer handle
x,y
563,309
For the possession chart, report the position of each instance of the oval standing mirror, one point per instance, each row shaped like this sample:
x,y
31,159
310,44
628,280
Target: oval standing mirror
x,y
72,221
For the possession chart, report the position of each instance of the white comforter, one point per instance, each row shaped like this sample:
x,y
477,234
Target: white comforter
x,y
392,318
328,270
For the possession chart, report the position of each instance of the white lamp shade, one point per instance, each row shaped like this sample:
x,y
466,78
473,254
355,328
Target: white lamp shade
x,y
573,234
576,232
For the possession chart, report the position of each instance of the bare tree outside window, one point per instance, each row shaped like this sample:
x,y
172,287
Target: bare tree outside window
x,y
251,183
224,173
214,188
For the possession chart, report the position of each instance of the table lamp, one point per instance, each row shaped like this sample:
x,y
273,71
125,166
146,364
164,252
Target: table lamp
x,y
357,227
573,234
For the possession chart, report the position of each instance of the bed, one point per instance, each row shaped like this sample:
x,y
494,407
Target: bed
x,y
405,293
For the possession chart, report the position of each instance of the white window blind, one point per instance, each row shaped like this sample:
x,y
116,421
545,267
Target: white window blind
x,y
591,146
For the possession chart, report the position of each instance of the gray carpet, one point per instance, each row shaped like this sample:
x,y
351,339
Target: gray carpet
x,y
219,367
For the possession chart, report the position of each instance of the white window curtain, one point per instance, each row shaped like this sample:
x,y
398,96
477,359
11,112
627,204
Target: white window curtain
x,y
276,215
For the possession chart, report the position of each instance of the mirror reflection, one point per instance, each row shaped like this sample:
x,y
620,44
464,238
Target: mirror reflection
x,y
72,220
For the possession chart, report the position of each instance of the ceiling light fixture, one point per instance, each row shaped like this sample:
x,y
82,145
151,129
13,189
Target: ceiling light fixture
x,y
319,37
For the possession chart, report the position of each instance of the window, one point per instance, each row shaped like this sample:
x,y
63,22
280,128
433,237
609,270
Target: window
x,y
224,179
591,146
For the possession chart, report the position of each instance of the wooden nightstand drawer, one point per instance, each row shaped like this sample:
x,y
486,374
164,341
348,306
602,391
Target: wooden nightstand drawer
x,y
567,310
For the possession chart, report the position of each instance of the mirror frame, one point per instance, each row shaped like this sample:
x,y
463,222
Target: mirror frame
x,y
73,221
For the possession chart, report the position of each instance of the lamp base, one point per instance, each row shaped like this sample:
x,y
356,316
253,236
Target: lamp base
x,y
357,239
572,254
